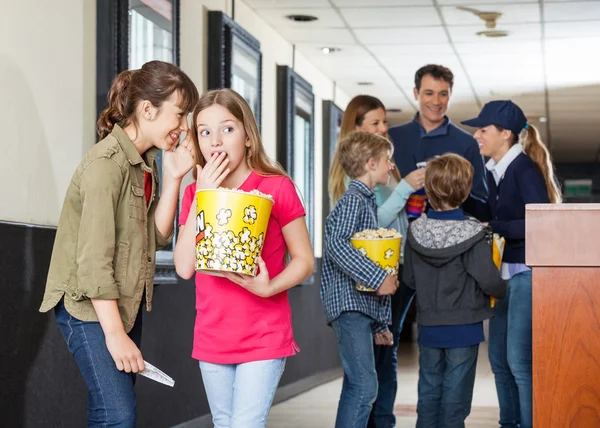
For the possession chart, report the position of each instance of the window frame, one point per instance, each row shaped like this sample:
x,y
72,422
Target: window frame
x,y
332,118
288,82
221,32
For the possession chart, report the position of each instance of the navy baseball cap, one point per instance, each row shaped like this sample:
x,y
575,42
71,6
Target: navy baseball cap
x,y
505,114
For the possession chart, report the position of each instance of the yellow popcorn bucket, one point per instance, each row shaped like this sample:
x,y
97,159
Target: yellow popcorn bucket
x,y
230,230
497,251
385,252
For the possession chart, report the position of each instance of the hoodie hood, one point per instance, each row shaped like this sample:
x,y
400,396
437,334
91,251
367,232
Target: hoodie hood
x,y
440,241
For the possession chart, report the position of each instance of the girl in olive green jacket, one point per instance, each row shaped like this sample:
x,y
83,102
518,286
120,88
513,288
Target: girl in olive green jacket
x,y
111,224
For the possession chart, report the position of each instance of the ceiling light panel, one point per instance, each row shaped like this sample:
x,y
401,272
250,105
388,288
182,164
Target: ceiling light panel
x,y
391,17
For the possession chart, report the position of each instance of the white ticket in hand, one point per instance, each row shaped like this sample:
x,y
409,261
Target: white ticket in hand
x,y
153,373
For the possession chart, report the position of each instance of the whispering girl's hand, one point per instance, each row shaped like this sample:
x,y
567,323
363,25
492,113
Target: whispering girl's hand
x,y
179,162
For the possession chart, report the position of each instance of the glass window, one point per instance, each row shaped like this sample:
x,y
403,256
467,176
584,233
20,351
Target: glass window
x,y
245,79
302,144
150,31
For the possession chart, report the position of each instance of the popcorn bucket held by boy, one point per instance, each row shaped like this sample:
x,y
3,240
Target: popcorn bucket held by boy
x,y
230,230
382,246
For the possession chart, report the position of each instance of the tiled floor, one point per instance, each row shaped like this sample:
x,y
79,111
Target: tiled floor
x,y
317,408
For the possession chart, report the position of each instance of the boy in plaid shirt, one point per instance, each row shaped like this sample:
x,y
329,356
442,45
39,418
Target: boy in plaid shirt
x,y
357,317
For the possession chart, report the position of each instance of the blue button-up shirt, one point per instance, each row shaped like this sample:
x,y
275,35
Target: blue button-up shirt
x,y
344,266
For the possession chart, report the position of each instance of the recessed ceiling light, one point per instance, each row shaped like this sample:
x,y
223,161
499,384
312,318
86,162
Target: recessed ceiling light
x,y
301,18
328,50
394,110
364,83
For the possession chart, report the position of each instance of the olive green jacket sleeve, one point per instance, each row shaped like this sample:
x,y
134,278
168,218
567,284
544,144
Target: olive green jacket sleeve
x,y
100,187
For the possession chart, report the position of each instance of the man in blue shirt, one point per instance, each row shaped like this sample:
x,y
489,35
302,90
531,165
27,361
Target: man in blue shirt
x,y
431,133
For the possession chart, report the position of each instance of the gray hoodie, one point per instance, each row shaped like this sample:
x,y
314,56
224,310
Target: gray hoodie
x,y
449,264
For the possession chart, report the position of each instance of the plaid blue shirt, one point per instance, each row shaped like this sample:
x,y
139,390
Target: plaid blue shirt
x,y
344,266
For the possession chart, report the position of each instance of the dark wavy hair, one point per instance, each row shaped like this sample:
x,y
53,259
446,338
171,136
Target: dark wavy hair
x,y
155,82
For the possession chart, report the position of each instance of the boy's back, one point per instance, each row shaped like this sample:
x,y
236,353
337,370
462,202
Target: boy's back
x,y
448,260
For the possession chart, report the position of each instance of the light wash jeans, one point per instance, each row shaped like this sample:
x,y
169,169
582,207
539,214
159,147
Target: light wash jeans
x,y
240,395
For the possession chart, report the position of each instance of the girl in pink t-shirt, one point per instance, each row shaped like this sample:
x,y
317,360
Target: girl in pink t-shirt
x,y
243,330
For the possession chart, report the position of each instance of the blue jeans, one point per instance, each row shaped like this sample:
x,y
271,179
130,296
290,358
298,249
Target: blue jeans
x,y
386,363
111,397
354,333
446,380
240,395
510,353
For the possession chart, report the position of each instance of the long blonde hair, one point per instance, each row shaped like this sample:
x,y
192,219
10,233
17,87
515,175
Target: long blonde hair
x,y
256,156
354,116
538,152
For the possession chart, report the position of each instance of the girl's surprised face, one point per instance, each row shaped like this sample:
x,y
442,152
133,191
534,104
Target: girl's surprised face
x,y
219,131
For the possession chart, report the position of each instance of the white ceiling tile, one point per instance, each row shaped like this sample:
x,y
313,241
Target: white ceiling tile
x,y
327,18
511,14
468,34
580,11
566,30
347,51
392,50
505,67
476,2
499,46
378,3
256,4
407,65
569,62
327,37
391,17
357,73
402,36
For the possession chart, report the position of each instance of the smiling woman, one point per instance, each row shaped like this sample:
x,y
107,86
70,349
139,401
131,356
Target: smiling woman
x,y
111,224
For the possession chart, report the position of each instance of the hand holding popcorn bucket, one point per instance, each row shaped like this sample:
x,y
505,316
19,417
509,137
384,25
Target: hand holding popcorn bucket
x,y
382,246
230,230
497,251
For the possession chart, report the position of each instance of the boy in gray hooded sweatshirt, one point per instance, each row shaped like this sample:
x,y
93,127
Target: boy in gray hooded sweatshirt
x,y
448,261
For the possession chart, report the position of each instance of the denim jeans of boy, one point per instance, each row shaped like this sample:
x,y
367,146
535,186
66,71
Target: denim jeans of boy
x,y
111,397
240,395
510,353
446,380
386,363
354,333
